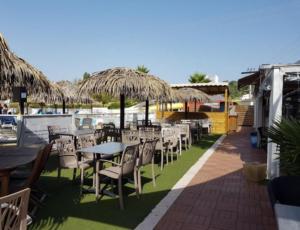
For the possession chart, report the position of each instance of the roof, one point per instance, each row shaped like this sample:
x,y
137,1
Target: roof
x,y
209,88
248,80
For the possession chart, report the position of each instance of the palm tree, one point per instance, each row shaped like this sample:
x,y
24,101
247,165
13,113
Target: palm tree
x,y
143,69
198,78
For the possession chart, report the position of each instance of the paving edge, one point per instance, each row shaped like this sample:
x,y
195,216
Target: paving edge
x,y
162,207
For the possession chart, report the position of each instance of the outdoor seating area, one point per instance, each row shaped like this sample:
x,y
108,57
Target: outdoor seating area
x,y
141,115
109,162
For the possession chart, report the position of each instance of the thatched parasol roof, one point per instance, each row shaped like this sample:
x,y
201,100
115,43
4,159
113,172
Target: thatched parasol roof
x,y
189,94
128,82
15,71
71,93
55,95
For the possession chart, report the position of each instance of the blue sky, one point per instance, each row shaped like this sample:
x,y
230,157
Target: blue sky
x,y
172,38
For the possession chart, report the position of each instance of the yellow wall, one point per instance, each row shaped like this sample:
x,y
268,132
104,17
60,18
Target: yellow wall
x,y
219,119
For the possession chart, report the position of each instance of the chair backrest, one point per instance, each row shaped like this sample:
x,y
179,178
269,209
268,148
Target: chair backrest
x,y
170,135
130,137
13,210
85,141
109,126
67,152
147,152
146,133
39,165
87,123
184,129
77,122
52,130
128,159
100,136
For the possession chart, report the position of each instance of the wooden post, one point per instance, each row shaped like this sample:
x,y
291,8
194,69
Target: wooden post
x,y
226,101
226,110
64,106
185,110
122,111
22,107
147,112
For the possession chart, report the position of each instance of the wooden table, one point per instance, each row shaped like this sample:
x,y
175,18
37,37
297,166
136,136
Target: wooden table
x,y
11,158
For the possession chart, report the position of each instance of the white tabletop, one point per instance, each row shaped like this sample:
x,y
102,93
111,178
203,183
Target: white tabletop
x,y
108,148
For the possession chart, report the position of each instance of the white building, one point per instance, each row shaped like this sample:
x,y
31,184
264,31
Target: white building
x,y
274,86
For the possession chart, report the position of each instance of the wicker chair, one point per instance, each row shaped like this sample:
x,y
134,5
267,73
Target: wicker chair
x,y
170,137
87,123
37,195
85,141
161,146
117,171
13,210
100,136
68,158
146,156
130,137
52,130
185,134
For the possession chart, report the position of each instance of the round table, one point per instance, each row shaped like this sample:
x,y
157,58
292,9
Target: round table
x,y
11,158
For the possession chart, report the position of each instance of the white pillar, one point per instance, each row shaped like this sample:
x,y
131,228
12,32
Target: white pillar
x,y
275,112
258,113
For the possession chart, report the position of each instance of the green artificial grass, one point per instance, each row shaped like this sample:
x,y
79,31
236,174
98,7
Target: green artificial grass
x,y
66,209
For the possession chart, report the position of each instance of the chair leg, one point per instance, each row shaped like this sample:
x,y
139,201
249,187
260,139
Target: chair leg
x,y
172,155
162,160
74,174
120,193
97,181
58,172
81,179
139,180
136,183
180,146
153,173
167,156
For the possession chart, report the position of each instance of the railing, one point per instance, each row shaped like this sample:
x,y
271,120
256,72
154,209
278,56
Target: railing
x,y
32,129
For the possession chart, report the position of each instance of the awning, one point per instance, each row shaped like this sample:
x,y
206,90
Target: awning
x,y
251,79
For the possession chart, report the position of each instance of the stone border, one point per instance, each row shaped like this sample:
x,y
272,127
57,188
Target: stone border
x,y
162,207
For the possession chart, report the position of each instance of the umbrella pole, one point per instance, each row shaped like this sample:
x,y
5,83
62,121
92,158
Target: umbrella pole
x,y
147,112
185,110
91,108
122,111
64,106
195,110
22,107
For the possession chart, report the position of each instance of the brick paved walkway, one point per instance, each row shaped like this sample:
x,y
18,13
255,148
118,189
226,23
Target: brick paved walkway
x,y
219,197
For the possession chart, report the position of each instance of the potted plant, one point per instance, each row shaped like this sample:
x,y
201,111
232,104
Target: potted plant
x,y
286,188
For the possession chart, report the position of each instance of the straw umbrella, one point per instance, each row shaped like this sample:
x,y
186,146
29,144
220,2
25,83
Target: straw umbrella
x,y
16,72
189,94
126,82
71,94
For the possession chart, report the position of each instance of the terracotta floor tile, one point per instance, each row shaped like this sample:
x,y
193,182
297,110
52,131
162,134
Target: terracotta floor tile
x,y
219,197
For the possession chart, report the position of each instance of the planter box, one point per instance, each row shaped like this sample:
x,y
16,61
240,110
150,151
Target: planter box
x,y
255,171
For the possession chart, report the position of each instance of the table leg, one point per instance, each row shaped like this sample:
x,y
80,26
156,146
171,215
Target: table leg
x,y
4,183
